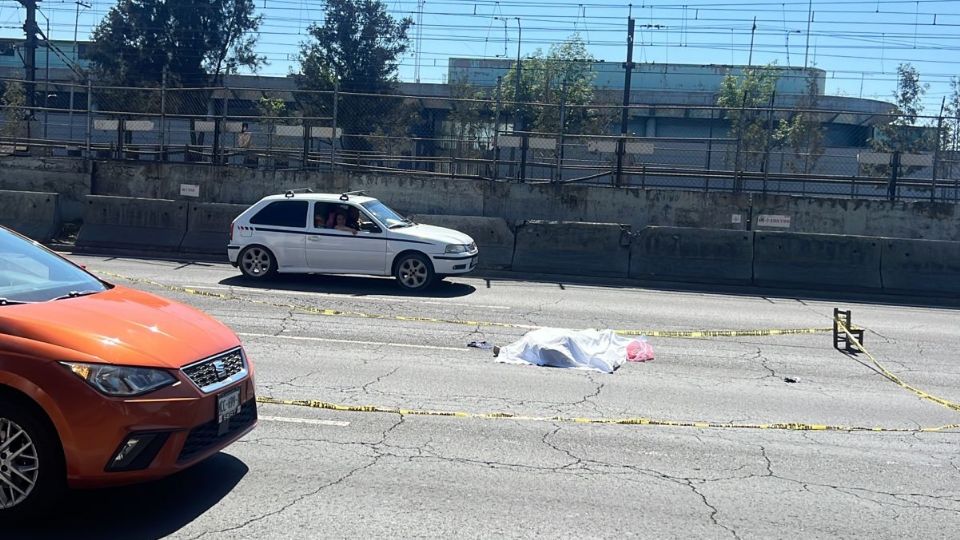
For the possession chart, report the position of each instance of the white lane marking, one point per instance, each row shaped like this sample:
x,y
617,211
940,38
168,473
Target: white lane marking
x,y
345,296
310,421
353,342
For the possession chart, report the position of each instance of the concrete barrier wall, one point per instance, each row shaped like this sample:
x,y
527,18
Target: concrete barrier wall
x,y
692,255
130,223
208,227
216,184
921,265
585,249
492,235
631,206
816,261
859,217
411,193
67,177
31,214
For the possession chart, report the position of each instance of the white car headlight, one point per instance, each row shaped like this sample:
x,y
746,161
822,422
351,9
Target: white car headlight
x,y
121,381
457,248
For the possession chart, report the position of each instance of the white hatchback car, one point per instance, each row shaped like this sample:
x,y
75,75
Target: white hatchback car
x,y
304,232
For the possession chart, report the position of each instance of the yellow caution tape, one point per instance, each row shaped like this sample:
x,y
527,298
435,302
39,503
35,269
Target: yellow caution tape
x,y
699,334
634,421
892,377
678,334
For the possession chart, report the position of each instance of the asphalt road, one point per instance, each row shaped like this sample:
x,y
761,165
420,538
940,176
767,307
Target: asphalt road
x,y
311,473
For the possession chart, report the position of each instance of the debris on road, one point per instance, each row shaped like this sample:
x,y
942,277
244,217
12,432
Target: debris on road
x,y
639,350
480,345
599,350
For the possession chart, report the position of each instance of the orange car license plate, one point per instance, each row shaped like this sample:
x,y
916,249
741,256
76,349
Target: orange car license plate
x,y
228,405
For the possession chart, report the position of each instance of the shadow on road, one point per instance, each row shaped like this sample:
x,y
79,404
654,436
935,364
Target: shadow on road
x,y
144,511
945,301
352,285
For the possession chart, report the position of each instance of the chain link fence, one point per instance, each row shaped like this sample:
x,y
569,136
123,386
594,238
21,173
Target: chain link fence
x,y
841,153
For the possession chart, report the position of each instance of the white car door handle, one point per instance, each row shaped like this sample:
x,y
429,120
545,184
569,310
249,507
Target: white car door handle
x,y
313,238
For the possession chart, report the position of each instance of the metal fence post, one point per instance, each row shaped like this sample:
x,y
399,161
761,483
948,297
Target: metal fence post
x,y
163,117
496,132
524,147
766,146
563,121
219,126
936,153
706,180
73,83
894,173
89,115
333,133
305,158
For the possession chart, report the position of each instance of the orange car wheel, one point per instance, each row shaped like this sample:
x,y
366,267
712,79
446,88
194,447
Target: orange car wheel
x,y
31,463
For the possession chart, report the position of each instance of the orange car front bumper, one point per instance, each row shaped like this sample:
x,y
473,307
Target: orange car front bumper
x,y
182,431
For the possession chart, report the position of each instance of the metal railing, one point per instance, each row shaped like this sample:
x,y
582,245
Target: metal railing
x,y
680,147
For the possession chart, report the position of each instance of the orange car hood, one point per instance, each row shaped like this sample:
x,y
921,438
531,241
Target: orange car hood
x,y
121,326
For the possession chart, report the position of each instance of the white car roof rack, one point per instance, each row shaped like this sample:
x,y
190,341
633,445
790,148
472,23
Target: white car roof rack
x,y
346,196
291,192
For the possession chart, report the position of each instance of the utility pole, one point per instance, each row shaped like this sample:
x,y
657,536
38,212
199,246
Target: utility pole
x,y
518,112
46,80
416,68
519,123
76,61
806,49
622,143
30,51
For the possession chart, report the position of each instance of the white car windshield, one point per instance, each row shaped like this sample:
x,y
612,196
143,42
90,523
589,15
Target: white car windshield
x,y
29,273
385,215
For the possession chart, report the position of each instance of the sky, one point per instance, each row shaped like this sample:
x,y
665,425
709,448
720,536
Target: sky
x,y
859,43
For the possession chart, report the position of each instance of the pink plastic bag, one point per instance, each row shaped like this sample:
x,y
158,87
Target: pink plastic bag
x,y
639,350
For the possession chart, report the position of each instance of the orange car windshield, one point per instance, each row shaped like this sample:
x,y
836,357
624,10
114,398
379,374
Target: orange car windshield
x,y
30,273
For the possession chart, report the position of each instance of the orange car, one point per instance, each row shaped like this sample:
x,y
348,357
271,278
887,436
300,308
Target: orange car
x,y
102,385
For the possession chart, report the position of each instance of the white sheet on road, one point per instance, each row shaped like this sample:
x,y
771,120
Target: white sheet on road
x,y
600,350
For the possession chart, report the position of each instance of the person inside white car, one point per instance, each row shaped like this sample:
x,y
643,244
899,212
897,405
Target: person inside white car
x,y
342,225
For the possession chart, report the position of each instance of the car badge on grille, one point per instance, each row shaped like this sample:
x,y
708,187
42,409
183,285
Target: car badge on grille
x,y
220,369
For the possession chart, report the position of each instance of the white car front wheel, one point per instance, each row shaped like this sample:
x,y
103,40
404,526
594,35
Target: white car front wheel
x,y
414,272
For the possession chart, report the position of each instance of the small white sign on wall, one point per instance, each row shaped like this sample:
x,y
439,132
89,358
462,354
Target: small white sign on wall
x,y
773,220
736,219
189,190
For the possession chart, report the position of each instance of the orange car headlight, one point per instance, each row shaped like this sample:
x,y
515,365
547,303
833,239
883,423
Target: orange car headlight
x,y
121,381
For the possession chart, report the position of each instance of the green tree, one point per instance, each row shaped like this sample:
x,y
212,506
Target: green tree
x,y
901,132
470,117
803,132
195,42
564,74
15,114
358,44
271,110
951,113
746,100
391,137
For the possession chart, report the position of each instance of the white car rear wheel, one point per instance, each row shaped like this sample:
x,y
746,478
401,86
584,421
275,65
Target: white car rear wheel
x,y
257,262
